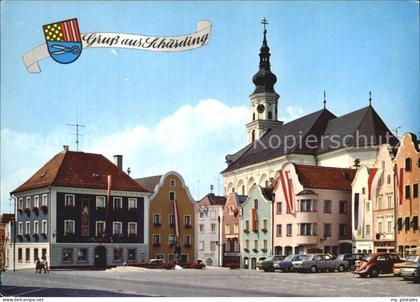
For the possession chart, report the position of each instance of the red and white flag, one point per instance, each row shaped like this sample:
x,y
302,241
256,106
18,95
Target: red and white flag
x,y
176,219
108,198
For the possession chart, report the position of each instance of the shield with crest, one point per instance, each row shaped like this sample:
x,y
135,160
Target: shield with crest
x,y
63,40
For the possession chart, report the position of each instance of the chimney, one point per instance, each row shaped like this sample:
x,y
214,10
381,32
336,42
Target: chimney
x,y
66,147
118,161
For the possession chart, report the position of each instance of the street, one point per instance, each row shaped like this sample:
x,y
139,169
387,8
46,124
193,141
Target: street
x,y
130,281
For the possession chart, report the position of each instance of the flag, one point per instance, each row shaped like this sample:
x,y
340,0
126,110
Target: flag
x,y
176,219
254,219
370,181
356,211
108,199
283,186
291,194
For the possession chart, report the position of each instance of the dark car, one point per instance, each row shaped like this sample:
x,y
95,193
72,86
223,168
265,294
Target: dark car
x,y
319,262
267,264
351,259
285,265
411,270
379,263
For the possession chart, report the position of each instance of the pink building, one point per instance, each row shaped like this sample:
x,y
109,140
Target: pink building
x,y
312,210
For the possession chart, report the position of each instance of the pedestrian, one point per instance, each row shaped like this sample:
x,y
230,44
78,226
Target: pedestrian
x,y
38,266
45,265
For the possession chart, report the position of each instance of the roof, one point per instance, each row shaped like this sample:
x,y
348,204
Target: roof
x,y
150,182
5,218
306,192
213,200
241,199
317,177
360,123
80,170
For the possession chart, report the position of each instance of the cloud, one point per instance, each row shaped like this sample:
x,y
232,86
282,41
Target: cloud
x,y
291,113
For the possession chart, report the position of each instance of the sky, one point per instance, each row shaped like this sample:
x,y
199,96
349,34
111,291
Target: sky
x,y
185,111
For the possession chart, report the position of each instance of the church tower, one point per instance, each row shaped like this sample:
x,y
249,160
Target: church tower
x,y
264,99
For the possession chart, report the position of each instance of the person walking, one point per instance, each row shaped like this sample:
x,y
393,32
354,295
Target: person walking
x,y
45,265
38,266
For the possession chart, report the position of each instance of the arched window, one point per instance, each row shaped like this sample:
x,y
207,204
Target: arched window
x,y
243,190
253,136
408,164
270,115
253,116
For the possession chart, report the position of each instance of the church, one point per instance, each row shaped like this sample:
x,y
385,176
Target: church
x,y
320,138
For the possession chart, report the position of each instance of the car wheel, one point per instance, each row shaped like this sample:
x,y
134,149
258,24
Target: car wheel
x,y
266,270
291,269
374,273
313,269
272,269
363,275
341,268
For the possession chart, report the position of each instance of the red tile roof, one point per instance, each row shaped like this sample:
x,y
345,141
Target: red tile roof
x,y
316,177
150,182
81,170
213,200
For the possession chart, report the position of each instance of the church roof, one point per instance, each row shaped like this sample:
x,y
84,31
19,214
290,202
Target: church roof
x,y
149,183
80,170
318,124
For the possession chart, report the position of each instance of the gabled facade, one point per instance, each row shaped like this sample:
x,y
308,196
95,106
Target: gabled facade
x,y
312,210
256,227
209,232
407,180
231,223
80,209
171,217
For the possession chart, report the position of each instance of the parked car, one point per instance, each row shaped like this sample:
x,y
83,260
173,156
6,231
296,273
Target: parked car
x,y
411,270
285,265
267,264
351,259
379,263
410,259
319,262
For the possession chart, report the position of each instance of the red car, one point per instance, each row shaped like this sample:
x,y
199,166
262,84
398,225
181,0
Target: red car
x,y
379,263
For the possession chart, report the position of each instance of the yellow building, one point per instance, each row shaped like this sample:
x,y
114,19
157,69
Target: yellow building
x,y
171,218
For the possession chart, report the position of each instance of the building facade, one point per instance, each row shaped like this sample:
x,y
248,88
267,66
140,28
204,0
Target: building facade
x,y
231,229
6,220
171,218
209,229
407,180
80,209
312,210
256,227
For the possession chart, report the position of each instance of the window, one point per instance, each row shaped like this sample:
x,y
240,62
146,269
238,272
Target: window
x,y
265,244
388,179
415,190
20,203
236,246
187,221
255,203
36,253
44,227
342,230
28,227
117,228
212,215
20,257
289,230
67,256
156,239
367,206
201,228
100,202
212,246
36,201
173,183
408,164
407,192
20,229
247,244
69,200
69,227
172,196
390,202
27,254
201,214
213,228
256,244
171,220
118,203
187,240
36,227
327,229
363,190
132,254
227,229
44,254
378,203
132,203
201,245
305,229
265,224
236,228
379,226
278,208
327,206
156,219
343,207
246,225
389,226
162,256
100,228
306,205
278,230
118,254
227,246
132,228
82,255
171,240
399,224
367,230
44,199
28,202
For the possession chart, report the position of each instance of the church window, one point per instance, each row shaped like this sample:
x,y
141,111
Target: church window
x,y
253,136
270,115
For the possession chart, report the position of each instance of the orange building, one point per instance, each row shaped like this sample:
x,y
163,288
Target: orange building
x,y
171,218
407,179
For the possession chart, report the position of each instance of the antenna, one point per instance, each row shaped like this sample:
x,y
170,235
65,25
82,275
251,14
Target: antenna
x,y
396,131
211,189
77,125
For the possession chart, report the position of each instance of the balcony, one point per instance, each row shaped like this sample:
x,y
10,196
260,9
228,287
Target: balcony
x,y
188,225
157,223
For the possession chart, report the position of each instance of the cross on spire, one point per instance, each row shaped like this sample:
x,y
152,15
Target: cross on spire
x,y
370,98
264,22
325,99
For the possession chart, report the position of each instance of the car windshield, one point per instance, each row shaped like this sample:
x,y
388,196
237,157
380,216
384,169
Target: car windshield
x,y
288,258
412,258
307,257
340,257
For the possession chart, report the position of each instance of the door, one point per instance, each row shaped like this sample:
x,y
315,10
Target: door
x,y
100,257
254,263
